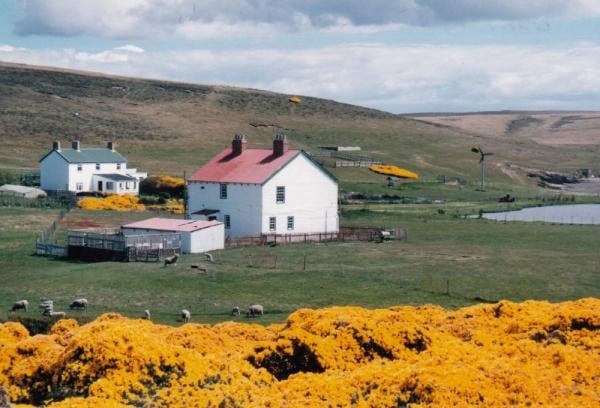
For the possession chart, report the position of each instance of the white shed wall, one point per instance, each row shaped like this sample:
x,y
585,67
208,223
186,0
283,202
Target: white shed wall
x,y
243,205
310,197
204,240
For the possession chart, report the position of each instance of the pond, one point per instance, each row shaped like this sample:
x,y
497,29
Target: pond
x,y
563,214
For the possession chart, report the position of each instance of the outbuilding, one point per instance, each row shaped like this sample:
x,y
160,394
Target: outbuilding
x,y
196,235
21,191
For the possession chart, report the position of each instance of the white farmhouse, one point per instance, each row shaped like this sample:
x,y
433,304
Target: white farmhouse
x,y
264,191
90,169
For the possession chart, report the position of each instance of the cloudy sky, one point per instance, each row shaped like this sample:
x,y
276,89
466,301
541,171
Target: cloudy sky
x,y
397,55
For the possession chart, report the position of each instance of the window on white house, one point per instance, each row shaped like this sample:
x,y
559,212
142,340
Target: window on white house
x,y
227,219
223,191
127,185
79,167
121,186
118,166
290,223
272,223
134,185
79,186
110,185
97,166
280,195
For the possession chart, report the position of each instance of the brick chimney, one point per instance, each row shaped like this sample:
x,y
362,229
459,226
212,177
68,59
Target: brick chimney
x,y
76,145
56,145
238,144
280,144
111,146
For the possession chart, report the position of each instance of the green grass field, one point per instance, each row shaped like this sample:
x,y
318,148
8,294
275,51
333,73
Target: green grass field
x,y
447,260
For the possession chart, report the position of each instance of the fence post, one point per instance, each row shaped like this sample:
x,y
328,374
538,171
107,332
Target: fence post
x,y
304,265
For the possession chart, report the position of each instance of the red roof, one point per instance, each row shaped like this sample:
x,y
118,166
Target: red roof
x,y
253,166
172,224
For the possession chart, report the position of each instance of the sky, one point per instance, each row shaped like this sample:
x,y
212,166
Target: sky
x,y
401,56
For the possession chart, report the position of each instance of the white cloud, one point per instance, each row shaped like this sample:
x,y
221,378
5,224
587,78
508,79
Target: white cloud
x,y
393,78
130,48
207,19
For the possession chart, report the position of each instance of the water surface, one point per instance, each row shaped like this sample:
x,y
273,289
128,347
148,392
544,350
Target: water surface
x,y
564,214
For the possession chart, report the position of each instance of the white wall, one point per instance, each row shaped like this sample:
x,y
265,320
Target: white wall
x,y
54,174
203,240
310,197
243,205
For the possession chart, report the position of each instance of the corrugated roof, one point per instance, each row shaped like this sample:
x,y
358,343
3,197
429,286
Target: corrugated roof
x,y
253,166
172,224
89,155
116,177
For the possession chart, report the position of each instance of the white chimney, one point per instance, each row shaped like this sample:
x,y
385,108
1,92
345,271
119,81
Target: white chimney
x,y
76,145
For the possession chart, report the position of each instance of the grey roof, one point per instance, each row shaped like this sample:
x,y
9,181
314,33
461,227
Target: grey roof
x,y
116,177
89,155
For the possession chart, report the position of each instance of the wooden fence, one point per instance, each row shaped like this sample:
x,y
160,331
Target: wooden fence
x,y
346,234
94,246
47,249
356,163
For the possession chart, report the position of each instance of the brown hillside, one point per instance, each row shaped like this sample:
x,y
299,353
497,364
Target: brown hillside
x,y
172,127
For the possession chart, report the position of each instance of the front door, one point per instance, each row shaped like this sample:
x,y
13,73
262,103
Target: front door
x,y
99,185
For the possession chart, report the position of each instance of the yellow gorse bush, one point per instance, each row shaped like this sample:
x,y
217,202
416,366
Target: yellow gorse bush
x,y
395,171
115,202
505,354
168,181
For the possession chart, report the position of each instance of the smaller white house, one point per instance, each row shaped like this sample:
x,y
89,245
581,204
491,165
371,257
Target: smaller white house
x,y
21,191
88,169
196,235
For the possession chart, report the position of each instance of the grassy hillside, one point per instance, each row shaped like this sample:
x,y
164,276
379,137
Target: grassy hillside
x,y
174,127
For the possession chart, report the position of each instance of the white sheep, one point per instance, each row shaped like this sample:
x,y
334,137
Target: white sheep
x,y
255,311
146,314
185,315
235,311
80,303
20,304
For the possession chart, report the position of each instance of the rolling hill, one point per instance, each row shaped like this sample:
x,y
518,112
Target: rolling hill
x,y
172,127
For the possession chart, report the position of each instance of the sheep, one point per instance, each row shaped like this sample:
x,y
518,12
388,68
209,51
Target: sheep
x,y
20,304
80,303
146,314
255,311
58,315
235,311
185,315
171,260
47,304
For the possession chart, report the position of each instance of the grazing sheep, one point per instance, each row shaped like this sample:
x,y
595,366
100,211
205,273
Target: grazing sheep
x,y
235,311
146,314
209,257
47,307
20,304
255,311
58,315
171,260
80,303
185,315
46,303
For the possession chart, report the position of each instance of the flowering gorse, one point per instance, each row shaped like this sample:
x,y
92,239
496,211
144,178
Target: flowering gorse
x,y
505,354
